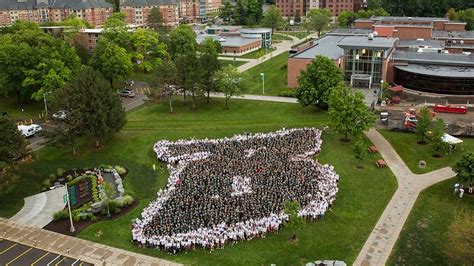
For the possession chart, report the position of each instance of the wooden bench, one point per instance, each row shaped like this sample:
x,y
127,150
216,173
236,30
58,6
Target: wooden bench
x,y
381,163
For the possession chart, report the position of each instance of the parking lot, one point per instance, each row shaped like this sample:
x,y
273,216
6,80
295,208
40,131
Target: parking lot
x,y
12,253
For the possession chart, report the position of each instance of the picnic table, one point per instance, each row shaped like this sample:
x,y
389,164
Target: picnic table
x,y
381,163
372,149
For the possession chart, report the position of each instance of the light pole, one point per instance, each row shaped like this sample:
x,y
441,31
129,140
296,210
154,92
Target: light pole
x,y
263,82
69,208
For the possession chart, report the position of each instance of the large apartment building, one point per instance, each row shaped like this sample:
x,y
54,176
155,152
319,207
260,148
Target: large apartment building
x,y
137,11
289,8
95,12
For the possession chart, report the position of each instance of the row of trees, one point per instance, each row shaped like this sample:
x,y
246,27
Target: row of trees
x,y
244,12
346,18
420,8
466,15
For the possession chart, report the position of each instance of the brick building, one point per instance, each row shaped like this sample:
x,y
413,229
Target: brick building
x,y
137,11
337,6
95,12
443,63
289,8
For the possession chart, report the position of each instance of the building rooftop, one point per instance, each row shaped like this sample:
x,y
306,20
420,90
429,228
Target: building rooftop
x,y
61,4
255,30
439,71
408,19
364,42
227,41
149,2
325,46
350,31
453,34
434,58
420,43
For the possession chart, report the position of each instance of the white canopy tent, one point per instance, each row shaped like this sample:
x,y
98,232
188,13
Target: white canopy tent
x,y
451,139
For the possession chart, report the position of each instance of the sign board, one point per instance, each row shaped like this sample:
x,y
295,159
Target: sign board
x,y
64,198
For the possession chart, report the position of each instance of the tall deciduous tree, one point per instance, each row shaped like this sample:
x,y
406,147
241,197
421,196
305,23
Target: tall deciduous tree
x,y
147,51
317,81
345,19
33,63
116,30
468,17
464,167
248,12
230,82
437,129
182,41
423,124
318,20
272,18
226,11
348,112
111,60
95,105
209,53
164,81
12,143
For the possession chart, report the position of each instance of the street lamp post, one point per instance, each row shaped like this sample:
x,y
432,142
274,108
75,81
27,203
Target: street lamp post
x,y
263,82
69,208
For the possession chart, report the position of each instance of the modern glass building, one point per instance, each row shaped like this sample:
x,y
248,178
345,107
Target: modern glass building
x,y
363,59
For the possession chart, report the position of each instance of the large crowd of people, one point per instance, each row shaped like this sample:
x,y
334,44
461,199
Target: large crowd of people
x,y
224,190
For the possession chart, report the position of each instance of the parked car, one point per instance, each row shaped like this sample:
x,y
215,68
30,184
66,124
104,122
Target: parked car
x,y
26,131
61,114
37,128
127,93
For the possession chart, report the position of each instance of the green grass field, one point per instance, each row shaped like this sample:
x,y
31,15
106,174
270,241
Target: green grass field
x,y
257,53
231,62
280,37
425,233
297,34
411,152
275,71
31,109
340,236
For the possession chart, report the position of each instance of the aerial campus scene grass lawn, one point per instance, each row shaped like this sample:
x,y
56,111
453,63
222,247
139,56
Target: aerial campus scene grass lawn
x,y
275,70
340,235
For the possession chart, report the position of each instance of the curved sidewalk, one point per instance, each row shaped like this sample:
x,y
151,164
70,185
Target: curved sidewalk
x,y
84,250
381,241
38,209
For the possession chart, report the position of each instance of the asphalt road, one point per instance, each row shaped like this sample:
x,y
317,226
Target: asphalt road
x,y
12,253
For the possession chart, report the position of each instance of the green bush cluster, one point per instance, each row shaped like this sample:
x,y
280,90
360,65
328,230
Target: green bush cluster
x,y
287,93
59,215
95,191
60,172
120,170
126,201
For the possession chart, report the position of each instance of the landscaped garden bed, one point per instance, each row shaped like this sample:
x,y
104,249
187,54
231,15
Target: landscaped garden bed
x,y
94,194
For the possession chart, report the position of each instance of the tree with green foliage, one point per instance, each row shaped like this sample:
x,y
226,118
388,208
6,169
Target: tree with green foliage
x,y
12,143
155,19
423,124
209,51
294,222
94,106
464,167
272,18
437,130
108,195
468,17
424,8
297,17
248,12
318,20
373,4
33,63
348,112
111,60
147,51
182,41
229,81
164,80
226,12
360,151
317,81
116,4
116,30
380,12
460,245
346,19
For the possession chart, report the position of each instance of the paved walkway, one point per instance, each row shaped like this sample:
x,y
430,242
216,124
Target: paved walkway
x,y
229,58
381,241
259,98
282,47
84,250
39,209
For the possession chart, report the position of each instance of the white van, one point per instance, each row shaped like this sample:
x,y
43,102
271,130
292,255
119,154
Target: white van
x,y
27,131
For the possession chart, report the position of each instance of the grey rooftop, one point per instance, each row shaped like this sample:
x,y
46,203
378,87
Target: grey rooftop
x,y
434,58
439,71
60,4
325,46
227,41
364,42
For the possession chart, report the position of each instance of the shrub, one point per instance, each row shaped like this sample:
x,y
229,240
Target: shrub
x,y
52,178
287,93
76,218
46,183
84,217
126,201
113,205
60,172
285,66
93,218
104,211
117,210
69,178
120,170
57,216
